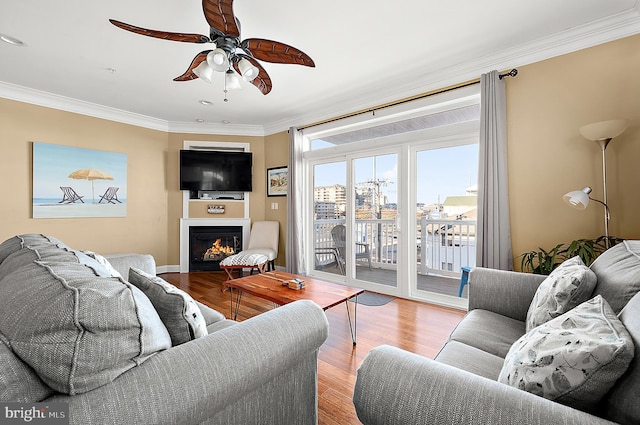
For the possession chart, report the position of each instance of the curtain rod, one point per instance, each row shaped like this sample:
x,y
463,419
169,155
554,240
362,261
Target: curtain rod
x,y
511,73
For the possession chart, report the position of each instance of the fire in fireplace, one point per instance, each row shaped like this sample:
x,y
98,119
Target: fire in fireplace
x,y
208,245
218,251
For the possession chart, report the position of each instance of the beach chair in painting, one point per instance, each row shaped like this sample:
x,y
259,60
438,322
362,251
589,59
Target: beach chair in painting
x,y
110,195
69,196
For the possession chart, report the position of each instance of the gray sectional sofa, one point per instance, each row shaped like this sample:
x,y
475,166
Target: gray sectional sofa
x,y
73,331
465,383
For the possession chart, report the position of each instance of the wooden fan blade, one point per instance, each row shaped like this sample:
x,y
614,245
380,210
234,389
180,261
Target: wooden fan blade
x,y
175,36
276,52
189,75
262,81
219,15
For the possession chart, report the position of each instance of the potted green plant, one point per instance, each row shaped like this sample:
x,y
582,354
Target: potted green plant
x,y
541,261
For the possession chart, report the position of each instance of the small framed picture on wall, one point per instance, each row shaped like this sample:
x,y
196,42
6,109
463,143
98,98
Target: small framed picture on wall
x,y
277,181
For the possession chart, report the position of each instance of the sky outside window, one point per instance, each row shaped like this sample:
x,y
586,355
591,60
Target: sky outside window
x,y
440,173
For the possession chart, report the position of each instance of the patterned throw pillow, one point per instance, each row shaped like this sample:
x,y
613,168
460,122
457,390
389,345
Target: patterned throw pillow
x,y
103,262
177,310
567,286
573,359
244,259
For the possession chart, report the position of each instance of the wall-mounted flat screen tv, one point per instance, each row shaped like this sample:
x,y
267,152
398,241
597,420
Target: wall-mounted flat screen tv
x,y
202,170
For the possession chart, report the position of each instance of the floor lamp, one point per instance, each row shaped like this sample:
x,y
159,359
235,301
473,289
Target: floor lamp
x,y
602,133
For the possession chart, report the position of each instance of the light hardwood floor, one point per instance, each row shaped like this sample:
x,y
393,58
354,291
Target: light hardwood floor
x,y
414,326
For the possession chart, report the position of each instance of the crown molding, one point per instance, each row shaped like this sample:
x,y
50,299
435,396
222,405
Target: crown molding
x,y
50,100
623,24
209,128
63,103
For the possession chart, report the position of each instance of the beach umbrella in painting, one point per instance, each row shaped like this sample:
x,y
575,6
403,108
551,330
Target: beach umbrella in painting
x,y
90,174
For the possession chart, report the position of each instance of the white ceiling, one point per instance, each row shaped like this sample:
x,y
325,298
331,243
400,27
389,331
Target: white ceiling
x,y
367,52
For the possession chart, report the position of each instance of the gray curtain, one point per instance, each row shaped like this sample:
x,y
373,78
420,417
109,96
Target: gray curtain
x,y
493,236
294,242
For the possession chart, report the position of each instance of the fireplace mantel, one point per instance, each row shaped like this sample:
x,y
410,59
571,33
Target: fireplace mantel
x,y
185,223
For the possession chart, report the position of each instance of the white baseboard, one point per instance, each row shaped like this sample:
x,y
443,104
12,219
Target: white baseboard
x,y
168,269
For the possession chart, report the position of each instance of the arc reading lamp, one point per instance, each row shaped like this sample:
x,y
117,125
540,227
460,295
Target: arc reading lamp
x,y
602,133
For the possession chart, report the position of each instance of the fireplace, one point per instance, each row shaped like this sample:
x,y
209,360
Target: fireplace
x,y
209,245
188,223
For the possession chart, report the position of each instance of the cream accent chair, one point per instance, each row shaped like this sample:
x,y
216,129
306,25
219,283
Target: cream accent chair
x,y
264,239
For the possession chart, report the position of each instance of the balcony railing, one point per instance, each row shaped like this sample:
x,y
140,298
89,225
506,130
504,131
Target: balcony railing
x,y
443,246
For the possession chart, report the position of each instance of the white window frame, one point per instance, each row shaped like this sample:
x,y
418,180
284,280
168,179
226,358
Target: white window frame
x,y
405,145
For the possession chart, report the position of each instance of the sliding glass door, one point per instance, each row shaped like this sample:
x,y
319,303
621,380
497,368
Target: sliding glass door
x,y
446,209
392,199
354,216
329,217
374,248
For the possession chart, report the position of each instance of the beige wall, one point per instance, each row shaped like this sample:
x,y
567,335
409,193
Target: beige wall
x,y
546,104
154,204
277,155
142,230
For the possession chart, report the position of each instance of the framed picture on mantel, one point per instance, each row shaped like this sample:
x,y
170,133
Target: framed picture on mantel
x,y
277,181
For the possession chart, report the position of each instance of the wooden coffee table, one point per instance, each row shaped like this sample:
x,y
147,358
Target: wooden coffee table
x,y
268,286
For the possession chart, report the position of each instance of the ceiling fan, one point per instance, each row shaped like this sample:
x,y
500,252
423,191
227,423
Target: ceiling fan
x,y
228,51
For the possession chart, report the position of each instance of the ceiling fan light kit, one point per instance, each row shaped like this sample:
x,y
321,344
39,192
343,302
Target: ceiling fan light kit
x,y
229,54
231,81
218,60
248,71
204,72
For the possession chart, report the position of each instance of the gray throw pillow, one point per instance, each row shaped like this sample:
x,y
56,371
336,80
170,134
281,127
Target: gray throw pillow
x,y
33,240
177,310
618,272
18,382
76,330
622,404
567,286
10,246
574,359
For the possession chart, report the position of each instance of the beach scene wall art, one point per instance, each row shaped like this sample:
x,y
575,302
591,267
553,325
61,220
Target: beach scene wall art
x,y
70,182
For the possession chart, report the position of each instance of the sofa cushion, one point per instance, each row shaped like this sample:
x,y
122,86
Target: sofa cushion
x,y
18,382
574,359
16,243
567,286
623,401
471,359
618,272
51,253
77,331
177,310
488,331
25,256
38,239
10,246
123,262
